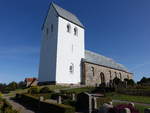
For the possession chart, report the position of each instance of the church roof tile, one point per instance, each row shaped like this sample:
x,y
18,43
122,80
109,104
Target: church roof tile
x,y
67,15
102,60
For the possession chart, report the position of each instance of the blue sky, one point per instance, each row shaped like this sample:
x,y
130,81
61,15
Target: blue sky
x,y
119,29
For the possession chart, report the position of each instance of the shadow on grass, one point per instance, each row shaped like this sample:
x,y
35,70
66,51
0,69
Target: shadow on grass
x,y
27,106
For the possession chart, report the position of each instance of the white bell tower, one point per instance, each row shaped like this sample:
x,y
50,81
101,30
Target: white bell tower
x,y
62,47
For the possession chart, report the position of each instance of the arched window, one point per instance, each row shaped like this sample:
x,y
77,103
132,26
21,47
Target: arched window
x,y
52,27
75,31
110,75
68,28
102,77
92,70
120,76
128,77
115,74
71,68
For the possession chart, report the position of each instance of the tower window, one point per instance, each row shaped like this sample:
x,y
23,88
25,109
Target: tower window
x,y
75,31
71,68
52,27
68,28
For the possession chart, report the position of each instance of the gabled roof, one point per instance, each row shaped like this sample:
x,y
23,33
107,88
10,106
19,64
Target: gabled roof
x,y
66,15
102,60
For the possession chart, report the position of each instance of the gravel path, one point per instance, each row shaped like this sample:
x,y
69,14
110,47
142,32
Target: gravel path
x,y
123,101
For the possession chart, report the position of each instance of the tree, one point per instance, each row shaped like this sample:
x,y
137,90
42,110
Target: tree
x,y
12,86
116,81
130,82
144,81
21,85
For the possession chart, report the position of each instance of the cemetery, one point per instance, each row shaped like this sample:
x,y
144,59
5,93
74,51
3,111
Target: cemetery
x,y
74,100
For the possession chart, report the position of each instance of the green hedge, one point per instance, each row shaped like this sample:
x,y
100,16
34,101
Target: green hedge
x,y
5,107
34,90
45,107
134,92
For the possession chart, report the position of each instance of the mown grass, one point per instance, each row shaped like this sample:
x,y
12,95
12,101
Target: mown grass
x,y
78,90
138,107
139,99
54,87
51,87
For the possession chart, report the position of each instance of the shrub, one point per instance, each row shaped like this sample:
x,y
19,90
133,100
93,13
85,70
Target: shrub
x,y
64,96
45,90
5,107
45,106
1,94
69,102
134,92
33,90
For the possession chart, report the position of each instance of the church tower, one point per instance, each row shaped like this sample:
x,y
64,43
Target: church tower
x,y
62,47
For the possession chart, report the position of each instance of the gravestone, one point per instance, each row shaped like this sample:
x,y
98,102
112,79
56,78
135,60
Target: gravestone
x,y
59,100
73,97
41,98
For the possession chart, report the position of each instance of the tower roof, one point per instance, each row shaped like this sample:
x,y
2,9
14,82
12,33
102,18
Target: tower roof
x,y
102,60
67,15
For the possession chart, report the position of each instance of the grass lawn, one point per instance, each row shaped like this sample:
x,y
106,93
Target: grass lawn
x,y
78,90
139,107
54,87
13,93
139,99
51,87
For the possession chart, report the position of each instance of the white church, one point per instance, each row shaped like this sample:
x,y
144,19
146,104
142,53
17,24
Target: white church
x,y
63,58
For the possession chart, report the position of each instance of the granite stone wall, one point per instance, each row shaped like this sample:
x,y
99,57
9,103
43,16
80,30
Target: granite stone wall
x,y
94,74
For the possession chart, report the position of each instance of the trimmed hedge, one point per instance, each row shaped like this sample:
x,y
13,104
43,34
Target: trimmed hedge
x,y
45,107
45,90
5,107
134,92
34,90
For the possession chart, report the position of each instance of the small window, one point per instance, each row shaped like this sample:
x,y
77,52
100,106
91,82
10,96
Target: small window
x,y
71,68
115,74
47,30
68,28
110,75
75,31
92,70
128,77
120,76
52,27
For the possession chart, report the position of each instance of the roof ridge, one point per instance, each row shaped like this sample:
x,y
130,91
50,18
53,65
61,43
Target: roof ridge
x,y
67,14
103,60
62,8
